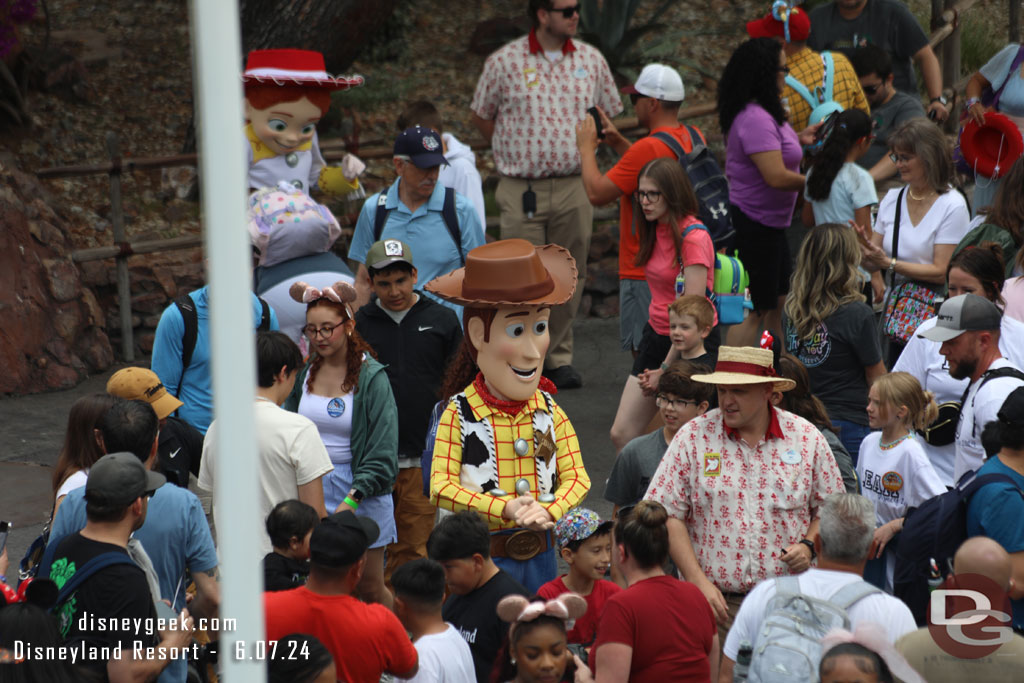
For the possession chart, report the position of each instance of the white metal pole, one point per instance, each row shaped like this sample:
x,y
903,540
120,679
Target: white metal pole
x,y
216,40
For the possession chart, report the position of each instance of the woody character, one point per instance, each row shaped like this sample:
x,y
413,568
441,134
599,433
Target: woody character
x,y
286,93
504,448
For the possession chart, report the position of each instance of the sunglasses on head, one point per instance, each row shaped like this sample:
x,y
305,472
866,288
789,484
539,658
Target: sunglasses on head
x,y
566,12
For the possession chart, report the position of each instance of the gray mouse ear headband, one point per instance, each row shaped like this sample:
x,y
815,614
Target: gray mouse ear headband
x,y
340,293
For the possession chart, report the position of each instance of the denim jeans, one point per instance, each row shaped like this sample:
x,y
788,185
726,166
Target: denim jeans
x,y
532,573
851,434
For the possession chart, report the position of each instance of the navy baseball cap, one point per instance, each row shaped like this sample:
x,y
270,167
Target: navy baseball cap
x,y
422,145
341,539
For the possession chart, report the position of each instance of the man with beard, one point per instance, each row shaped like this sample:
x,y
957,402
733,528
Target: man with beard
x,y
968,329
439,225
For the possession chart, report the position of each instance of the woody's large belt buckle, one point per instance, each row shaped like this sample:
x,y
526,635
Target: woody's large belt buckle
x,y
523,545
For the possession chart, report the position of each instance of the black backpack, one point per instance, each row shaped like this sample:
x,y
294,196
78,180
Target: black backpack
x,y
187,307
942,431
931,534
448,213
709,184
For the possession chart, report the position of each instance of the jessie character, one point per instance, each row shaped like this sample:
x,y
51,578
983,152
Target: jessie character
x,y
286,93
504,448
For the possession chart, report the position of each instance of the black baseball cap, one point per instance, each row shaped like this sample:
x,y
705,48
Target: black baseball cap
x,y
422,145
120,478
341,539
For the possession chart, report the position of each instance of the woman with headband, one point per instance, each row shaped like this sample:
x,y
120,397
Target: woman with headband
x,y
346,393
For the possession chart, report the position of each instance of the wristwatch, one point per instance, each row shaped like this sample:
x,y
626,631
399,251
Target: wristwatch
x,y
355,494
892,266
810,545
941,99
971,101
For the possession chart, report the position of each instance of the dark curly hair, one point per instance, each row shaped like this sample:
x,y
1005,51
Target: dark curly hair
x,y
354,350
751,76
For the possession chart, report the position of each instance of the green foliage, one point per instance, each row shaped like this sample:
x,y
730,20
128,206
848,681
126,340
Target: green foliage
x,y
608,26
977,45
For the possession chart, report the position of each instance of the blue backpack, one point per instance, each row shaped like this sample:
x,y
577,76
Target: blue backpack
x,y
821,101
730,295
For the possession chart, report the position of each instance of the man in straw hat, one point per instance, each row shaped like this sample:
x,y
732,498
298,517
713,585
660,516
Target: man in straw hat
x,y
504,448
742,485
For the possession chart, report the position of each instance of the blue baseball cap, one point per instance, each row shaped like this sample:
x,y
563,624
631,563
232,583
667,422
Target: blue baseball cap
x,y
422,145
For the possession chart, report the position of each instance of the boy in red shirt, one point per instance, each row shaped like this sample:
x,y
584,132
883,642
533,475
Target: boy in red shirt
x,y
585,543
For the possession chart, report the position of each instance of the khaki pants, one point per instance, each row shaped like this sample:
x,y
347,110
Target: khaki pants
x,y
414,520
733,602
564,217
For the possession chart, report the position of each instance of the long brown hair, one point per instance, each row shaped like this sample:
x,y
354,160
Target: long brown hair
x,y
678,194
81,450
355,347
462,368
1007,210
799,400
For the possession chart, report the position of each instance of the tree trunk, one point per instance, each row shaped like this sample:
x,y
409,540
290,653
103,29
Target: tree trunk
x,y
337,28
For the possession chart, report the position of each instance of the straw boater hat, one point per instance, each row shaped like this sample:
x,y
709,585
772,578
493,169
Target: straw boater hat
x,y
510,272
294,67
745,365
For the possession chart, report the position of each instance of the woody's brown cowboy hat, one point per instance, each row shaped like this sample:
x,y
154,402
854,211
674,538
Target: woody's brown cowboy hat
x,y
510,272
745,365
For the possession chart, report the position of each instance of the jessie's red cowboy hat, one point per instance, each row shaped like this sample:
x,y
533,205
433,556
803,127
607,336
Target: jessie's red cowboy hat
x,y
294,67
991,149
510,272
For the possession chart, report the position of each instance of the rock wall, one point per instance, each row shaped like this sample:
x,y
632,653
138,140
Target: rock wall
x,y
51,327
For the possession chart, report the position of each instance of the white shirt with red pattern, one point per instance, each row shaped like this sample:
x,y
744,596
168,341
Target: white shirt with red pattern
x,y
743,505
536,105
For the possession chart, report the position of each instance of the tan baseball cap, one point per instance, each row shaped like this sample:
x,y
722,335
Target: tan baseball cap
x,y
143,384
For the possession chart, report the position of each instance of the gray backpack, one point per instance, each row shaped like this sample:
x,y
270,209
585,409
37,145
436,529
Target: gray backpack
x,y
788,646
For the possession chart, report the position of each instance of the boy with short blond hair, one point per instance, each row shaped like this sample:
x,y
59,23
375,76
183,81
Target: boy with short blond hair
x,y
680,399
690,319
585,543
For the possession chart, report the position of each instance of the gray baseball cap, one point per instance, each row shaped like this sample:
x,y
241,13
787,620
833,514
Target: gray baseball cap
x,y
120,478
964,313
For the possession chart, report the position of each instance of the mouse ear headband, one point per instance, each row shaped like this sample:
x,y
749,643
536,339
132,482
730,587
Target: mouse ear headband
x,y
340,293
516,609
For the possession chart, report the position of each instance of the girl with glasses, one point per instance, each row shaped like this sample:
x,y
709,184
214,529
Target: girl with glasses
x,y
347,395
678,257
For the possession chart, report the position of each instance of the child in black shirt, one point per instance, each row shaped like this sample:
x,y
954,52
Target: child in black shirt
x,y
289,525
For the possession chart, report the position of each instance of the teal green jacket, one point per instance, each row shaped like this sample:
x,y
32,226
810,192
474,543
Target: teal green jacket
x,y
374,429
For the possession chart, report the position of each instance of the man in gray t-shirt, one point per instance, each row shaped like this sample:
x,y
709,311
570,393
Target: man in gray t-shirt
x,y
845,25
889,107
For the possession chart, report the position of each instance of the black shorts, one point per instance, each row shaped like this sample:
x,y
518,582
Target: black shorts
x,y
764,252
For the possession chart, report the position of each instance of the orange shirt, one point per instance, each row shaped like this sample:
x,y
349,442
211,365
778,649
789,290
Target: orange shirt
x,y
624,175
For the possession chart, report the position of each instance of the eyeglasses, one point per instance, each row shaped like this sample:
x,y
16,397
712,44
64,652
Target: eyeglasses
x,y
784,69
900,158
666,402
323,332
871,89
648,196
566,12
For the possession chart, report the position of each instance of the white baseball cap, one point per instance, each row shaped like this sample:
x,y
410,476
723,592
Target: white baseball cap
x,y
660,82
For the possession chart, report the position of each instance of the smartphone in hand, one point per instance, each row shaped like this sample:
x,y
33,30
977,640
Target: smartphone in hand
x,y
597,122
5,528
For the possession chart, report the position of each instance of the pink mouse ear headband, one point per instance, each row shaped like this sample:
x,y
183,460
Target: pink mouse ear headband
x,y
340,293
516,609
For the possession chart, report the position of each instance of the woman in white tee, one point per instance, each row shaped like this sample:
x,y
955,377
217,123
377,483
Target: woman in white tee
x,y
933,216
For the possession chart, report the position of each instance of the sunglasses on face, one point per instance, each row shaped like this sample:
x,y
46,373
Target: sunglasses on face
x,y
872,89
566,12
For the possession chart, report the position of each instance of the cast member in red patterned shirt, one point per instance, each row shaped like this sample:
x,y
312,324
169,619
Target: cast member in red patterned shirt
x,y
742,485
529,98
